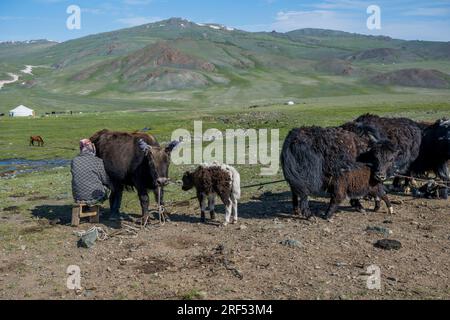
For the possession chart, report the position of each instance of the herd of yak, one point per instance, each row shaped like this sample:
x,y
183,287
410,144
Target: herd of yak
x,y
349,162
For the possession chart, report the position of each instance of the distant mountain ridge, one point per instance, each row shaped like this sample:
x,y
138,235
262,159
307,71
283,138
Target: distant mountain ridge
x,y
177,54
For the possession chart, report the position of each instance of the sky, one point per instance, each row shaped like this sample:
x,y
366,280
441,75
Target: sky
x,y
402,19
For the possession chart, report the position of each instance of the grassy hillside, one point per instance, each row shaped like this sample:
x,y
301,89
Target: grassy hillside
x,y
178,64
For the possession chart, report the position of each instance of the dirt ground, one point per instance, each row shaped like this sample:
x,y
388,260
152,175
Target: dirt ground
x,y
185,259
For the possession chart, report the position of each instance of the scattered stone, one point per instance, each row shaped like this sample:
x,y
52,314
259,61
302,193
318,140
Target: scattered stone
x,y
341,264
380,230
243,227
23,247
88,238
88,293
387,244
290,243
125,261
393,279
426,227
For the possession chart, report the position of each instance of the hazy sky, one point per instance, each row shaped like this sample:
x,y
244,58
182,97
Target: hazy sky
x,y
405,19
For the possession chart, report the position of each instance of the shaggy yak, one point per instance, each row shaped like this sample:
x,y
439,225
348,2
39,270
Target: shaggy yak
x,y
214,179
434,152
324,159
405,134
422,147
133,160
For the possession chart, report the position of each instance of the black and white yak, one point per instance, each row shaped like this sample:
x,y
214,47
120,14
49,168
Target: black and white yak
x,y
214,179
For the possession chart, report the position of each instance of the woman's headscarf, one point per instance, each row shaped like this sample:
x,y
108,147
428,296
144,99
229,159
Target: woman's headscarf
x,y
86,146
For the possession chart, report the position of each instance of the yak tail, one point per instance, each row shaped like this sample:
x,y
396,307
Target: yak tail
x,y
302,167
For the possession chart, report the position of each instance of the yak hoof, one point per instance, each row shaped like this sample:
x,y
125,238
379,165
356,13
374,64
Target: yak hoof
x,y
391,210
234,221
114,218
361,210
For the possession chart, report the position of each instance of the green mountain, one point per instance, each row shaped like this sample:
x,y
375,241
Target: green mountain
x,y
179,60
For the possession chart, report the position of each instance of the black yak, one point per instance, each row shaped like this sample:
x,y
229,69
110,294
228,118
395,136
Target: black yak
x,y
134,160
434,151
405,134
423,147
313,157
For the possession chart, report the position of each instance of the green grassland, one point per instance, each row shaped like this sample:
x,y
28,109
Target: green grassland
x,y
62,134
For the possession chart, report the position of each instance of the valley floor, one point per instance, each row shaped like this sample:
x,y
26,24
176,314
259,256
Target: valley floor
x,y
188,260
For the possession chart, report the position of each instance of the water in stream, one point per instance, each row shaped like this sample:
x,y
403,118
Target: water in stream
x,y
13,167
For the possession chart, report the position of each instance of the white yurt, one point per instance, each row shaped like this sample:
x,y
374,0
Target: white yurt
x,y
21,111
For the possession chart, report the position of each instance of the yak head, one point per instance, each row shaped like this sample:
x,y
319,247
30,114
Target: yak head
x,y
380,158
158,160
443,135
188,181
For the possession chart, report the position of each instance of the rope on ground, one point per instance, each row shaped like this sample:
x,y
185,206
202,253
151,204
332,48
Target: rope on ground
x,y
161,209
102,235
174,204
424,180
161,214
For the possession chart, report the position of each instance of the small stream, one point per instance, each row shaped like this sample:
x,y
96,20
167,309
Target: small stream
x,y
12,167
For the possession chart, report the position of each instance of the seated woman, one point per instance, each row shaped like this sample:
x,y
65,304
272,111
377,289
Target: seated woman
x,y
90,183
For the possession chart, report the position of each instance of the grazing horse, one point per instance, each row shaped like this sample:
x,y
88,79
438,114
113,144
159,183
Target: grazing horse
x,y
37,139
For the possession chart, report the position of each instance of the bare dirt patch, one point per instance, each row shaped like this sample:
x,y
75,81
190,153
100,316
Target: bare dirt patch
x,y
185,259
154,265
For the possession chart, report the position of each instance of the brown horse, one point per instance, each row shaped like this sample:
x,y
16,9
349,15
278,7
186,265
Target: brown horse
x,y
37,139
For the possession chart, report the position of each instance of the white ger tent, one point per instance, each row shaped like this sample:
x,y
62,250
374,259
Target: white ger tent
x,y
21,111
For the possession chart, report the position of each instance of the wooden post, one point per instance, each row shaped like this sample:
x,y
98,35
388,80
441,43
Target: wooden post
x,y
76,215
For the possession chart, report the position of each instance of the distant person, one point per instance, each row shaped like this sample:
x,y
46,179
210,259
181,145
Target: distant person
x,y
90,183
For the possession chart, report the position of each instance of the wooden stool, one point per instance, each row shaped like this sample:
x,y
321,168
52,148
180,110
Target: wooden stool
x,y
83,210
